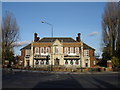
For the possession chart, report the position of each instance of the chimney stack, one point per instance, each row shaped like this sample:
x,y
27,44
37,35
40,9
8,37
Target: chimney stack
x,y
35,37
78,38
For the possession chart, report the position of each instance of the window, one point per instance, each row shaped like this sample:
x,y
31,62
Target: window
x,y
71,50
86,64
37,50
86,52
77,62
66,50
36,62
71,62
27,52
94,62
47,50
56,50
77,50
42,62
66,62
47,62
42,49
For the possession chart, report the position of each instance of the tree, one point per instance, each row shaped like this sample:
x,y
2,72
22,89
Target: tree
x,y
10,34
111,30
115,62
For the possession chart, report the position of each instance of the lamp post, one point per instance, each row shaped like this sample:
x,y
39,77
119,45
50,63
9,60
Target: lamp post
x,y
51,36
50,25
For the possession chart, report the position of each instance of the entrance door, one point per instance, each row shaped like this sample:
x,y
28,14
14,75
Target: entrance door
x,y
56,61
28,63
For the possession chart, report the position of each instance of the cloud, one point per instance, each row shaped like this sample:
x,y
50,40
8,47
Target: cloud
x,y
92,33
22,43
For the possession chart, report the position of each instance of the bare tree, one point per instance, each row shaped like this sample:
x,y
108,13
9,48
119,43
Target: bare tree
x,y
111,28
10,34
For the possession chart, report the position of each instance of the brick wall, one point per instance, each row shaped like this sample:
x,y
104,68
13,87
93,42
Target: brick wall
x,y
22,56
92,57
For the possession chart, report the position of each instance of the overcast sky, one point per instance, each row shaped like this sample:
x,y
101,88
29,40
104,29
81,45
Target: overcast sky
x,y
67,18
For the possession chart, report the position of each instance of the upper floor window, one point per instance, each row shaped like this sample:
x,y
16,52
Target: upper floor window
x,y
56,50
27,52
37,50
77,50
71,50
42,50
66,50
47,50
86,52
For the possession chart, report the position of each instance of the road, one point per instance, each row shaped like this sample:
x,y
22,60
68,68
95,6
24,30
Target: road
x,y
59,80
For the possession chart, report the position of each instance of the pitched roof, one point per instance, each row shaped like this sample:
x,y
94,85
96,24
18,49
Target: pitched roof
x,y
27,47
61,39
85,46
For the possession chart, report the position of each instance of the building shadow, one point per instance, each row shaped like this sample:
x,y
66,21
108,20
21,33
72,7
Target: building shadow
x,y
64,83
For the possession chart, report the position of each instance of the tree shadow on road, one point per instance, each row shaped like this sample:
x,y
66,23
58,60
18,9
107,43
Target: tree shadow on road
x,y
105,84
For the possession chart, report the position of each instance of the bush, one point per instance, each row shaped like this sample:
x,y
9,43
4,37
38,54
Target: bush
x,y
115,62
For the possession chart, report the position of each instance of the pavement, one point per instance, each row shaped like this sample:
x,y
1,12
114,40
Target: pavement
x,y
46,79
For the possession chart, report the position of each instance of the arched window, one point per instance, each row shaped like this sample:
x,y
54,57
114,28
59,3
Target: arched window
x,y
36,62
71,62
77,62
42,62
66,62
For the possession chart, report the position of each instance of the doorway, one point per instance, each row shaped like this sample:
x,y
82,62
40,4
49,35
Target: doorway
x,y
56,61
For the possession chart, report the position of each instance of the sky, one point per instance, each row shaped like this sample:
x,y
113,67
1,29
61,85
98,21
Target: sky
x,y
67,18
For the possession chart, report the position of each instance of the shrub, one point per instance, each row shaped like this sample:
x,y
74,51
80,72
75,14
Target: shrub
x,y
115,62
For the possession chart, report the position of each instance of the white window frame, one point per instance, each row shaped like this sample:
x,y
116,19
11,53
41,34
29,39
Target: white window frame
x,y
47,48
77,50
27,52
36,50
66,50
94,62
42,50
71,49
56,50
86,52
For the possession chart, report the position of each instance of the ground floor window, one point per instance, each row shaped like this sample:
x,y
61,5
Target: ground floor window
x,y
47,62
66,62
86,64
42,62
71,62
77,62
36,62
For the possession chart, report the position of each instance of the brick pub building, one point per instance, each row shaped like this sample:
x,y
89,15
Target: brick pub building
x,y
57,51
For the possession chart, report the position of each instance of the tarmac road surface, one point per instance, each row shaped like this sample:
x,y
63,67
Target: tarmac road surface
x,y
59,80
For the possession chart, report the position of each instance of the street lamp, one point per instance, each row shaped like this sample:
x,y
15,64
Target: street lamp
x,y
51,27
